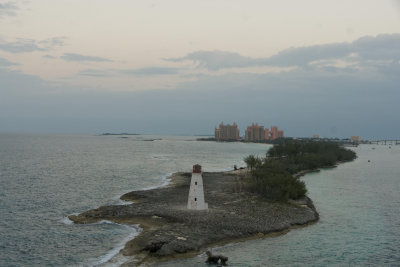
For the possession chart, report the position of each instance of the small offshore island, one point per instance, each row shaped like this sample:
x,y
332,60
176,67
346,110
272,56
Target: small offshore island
x,y
268,197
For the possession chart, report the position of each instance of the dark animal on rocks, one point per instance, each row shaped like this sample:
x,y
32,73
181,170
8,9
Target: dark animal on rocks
x,y
215,259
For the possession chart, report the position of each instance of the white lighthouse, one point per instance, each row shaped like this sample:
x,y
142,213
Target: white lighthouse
x,y
196,192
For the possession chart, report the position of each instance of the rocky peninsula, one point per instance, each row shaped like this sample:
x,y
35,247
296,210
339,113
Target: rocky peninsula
x,y
170,230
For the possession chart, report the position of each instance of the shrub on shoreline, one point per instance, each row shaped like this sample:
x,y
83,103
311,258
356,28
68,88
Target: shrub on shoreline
x,y
272,176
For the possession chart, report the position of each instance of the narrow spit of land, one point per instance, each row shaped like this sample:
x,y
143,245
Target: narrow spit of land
x,y
171,230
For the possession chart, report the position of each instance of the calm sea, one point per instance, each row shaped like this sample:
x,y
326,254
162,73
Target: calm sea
x,y
45,178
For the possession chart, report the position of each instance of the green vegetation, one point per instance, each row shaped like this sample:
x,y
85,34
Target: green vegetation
x,y
272,176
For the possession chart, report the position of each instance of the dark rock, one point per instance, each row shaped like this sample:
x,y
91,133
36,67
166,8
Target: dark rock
x,y
216,259
170,228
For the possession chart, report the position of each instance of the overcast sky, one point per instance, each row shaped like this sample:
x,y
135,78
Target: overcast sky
x,y
181,67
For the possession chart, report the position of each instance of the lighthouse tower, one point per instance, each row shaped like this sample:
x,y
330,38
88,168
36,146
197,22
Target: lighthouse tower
x,y
196,192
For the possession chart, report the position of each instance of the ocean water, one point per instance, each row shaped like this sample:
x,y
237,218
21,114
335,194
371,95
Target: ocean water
x,y
359,206
45,178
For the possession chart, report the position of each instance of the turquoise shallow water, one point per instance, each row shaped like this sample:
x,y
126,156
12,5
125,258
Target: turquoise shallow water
x,y
359,205
44,178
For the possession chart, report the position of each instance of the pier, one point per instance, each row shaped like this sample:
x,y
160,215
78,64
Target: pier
x,y
385,142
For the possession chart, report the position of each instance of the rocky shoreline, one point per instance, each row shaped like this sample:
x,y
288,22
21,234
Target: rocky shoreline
x,y
170,230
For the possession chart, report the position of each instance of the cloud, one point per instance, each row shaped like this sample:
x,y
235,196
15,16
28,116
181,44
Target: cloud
x,y
5,63
94,73
315,97
8,9
52,42
215,60
380,48
150,71
22,45
49,57
302,56
79,57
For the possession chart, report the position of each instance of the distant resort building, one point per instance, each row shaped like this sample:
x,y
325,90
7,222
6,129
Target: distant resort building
x,y
253,133
227,132
355,138
276,133
257,133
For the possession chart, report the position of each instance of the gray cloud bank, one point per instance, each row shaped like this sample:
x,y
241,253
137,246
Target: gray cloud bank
x,y
381,47
150,71
330,101
49,57
215,60
80,58
8,8
22,45
5,63
94,73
